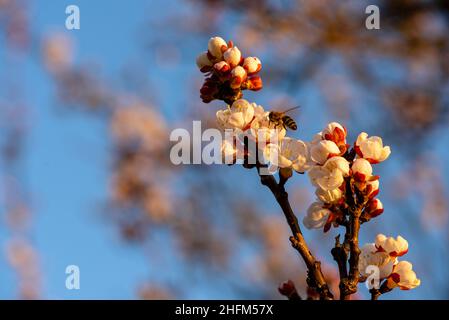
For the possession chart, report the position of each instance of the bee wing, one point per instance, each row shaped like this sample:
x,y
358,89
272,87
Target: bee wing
x,y
291,109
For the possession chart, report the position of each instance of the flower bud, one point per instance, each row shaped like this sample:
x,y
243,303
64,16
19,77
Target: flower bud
x,y
371,148
372,188
216,46
232,56
287,289
238,75
335,132
394,247
361,170
323,150
203,62
252,64
254,83
374,208
222,67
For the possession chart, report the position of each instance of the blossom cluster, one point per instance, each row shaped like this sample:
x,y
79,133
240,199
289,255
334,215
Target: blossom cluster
x,y
384,254
346,187
343,177
271,145
227,71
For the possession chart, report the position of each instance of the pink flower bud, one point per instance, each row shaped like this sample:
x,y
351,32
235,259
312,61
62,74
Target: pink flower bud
x,y
361,170
232,56
222,67
252,64
238,75
374,208
335,132
216,46
372,188
254,83
287,288
203,62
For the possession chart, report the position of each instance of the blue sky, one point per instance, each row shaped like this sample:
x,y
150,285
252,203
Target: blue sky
x,y
65,153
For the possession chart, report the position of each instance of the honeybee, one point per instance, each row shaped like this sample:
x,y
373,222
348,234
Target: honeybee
x,y
280,119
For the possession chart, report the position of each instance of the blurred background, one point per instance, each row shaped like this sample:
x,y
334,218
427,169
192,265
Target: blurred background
x,y
85,117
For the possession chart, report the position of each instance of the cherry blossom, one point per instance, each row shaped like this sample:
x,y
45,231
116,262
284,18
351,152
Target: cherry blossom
x,y
323,150
291,153
343,174
329,196
238,116
394,247
403,277
316,216
370,256
331,175
227,72
263,128
371,148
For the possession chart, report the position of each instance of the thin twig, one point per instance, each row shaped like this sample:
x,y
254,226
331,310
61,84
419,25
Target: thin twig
x,y
340,255
315,277
375,294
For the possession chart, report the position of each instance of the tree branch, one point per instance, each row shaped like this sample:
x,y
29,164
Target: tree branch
x,y
348,284
354,227
376,293
340,255
315,277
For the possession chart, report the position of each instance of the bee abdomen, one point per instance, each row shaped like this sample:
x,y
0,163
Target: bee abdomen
x,y
290,123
